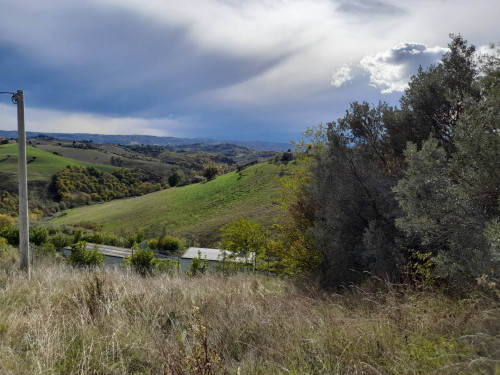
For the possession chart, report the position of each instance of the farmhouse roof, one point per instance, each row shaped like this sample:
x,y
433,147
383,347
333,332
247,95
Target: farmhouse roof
x,y
212,254
113,251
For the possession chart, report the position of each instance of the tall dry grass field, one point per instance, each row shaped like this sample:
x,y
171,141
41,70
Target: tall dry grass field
x,y
68,321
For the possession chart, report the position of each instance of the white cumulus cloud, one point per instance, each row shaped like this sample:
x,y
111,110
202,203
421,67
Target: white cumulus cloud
x,y
341,76
391,70
47,120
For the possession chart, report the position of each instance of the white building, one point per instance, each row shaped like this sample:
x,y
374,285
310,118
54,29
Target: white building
x,y
213,256
113,254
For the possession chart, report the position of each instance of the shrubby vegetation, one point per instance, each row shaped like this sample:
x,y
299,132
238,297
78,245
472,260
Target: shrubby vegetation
x,y
168,243
80,185
244,237
198,266
6,221
210,171
381,185
8,203
142,261
66,320
85,258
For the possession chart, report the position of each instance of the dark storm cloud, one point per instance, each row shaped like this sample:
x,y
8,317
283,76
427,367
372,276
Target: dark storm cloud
x,y
215,67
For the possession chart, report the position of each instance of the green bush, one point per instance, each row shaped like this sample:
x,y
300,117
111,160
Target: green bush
x,y
3,244
82,257
11,234
153,244
134,238
60,240
105,239
78,235
142,261
169,243
198,265
6,221
39,235
174,179
210,172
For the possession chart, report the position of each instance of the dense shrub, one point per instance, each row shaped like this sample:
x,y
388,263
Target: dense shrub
x,y
80,185
153,244
6,221
174,179
82,257
198,265
169,243
142,261
134,239
60,240
39,235
210,172
11,234
8,203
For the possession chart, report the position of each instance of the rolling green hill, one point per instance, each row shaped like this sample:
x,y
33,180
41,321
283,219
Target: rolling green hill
x,y
103,155
41,164
195,212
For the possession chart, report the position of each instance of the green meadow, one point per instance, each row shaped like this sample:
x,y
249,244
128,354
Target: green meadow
x,y
41,164
195,211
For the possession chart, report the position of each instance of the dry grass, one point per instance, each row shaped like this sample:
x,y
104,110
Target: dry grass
x,y
66,321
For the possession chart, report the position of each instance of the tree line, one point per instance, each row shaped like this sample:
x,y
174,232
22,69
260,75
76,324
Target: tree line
x,y
81,185
417,186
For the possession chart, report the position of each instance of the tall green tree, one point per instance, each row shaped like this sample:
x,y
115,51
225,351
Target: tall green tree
x,y
433,102
351,186
244,237
450,198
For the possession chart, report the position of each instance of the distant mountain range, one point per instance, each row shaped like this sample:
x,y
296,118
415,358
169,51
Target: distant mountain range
x,y
149,140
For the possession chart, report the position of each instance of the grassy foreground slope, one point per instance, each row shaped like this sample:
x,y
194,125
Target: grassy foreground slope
x,y
67,321
194,211
41,164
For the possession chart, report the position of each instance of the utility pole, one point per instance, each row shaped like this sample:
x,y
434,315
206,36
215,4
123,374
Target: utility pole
x,y
18,98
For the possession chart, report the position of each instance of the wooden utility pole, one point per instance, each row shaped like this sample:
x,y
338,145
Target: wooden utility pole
x,y
23,185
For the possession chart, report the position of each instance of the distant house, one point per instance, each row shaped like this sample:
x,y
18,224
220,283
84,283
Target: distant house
x,y
214,256
113,254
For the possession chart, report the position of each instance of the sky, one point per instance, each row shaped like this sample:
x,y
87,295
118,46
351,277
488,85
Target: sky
x,y
223,69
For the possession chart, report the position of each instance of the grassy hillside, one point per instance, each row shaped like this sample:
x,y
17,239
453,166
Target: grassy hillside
x,y
67,321
103,156
194,211
85,155
41,164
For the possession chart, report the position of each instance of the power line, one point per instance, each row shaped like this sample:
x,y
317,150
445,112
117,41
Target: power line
x,y
14,96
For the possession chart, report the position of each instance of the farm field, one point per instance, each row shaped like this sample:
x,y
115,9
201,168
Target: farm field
x,y
42,165
84,155
104,154
194,211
